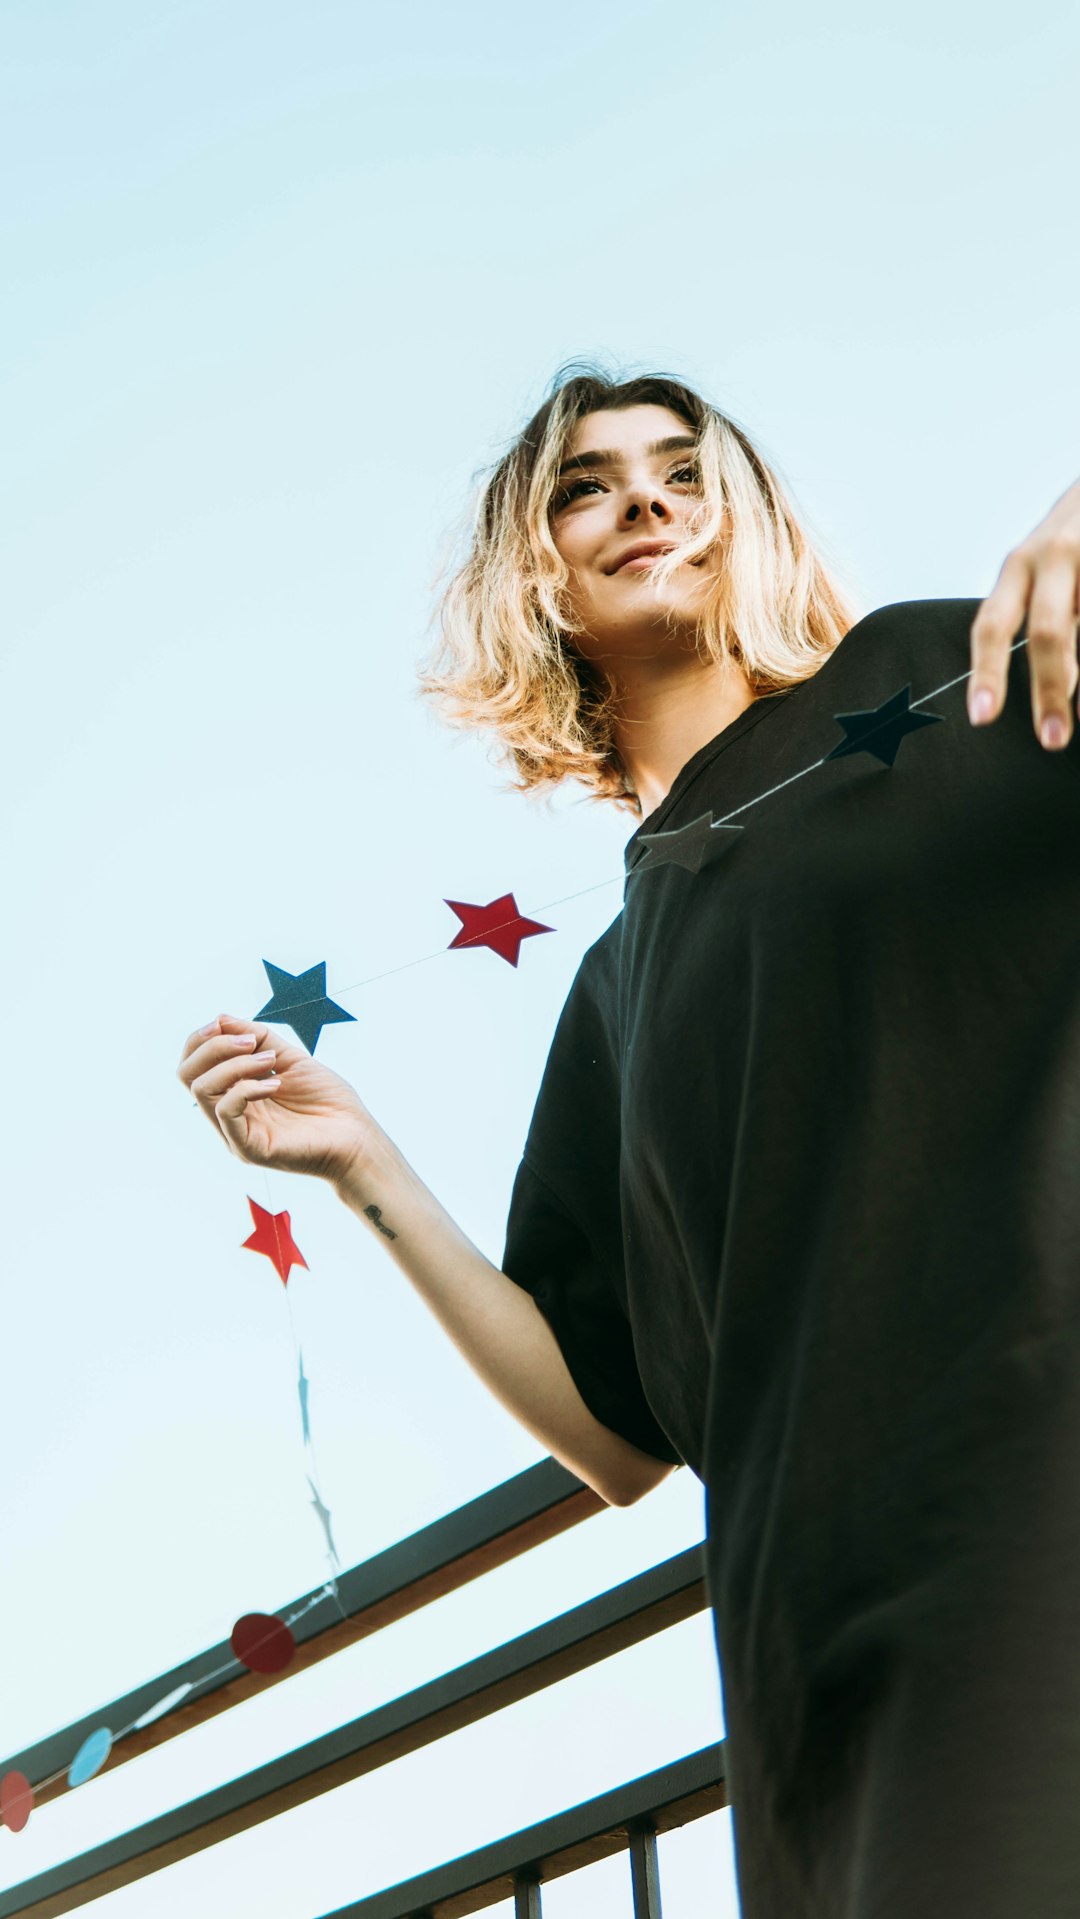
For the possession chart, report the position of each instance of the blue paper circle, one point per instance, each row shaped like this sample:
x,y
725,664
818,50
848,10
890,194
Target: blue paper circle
x,y
90,1757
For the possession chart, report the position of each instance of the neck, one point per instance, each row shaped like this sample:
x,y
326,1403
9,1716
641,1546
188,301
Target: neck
x,y
668,709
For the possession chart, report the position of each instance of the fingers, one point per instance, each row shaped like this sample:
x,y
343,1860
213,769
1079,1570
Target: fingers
x,y
204,1035
224,1075
215,1058
1052,648
231,1111
995,627
1043,588
288,1053
224,1038
225,1091
228,1037
218,1080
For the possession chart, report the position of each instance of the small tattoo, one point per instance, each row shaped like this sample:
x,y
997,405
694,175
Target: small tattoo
x,y
374,1213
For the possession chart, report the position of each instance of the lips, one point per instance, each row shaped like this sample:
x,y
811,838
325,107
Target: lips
x,y
643,549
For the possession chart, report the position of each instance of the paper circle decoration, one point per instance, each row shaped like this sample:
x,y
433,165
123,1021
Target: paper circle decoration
x,y
262,1643
90,1757
16,1800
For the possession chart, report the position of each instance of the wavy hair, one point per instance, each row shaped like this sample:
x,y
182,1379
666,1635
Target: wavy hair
x,y
504,660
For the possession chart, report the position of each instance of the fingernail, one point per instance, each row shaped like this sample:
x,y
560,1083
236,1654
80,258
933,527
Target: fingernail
x,y
981,705
205,1031
1053,730
241,1039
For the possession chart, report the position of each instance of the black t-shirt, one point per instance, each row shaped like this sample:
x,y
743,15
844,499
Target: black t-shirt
x,y
801,1192
805,1105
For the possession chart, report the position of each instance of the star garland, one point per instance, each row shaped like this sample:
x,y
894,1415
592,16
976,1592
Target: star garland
x,y
878,731
263,1642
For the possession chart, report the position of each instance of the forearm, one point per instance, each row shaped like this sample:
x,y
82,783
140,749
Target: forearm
x,y
495,1324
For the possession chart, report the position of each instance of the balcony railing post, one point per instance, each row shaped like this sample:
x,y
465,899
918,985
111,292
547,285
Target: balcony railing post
x,y
527,1897
645,1871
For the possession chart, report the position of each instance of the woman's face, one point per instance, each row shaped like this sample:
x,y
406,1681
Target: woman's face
x,y
628,478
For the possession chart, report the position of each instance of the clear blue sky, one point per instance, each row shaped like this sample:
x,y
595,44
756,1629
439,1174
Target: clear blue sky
x,y
279,280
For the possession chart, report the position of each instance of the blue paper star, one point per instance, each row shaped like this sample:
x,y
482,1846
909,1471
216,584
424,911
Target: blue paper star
x,y
300,1002
881,731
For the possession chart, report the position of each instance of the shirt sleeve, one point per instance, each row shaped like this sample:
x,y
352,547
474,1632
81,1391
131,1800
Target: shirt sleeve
x,y
550,1257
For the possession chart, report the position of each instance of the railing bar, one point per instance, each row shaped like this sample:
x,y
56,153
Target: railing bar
x,y
674,1795
497,1526
624,1615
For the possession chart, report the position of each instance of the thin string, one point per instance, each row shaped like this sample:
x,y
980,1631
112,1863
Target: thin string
x,y
546,908
331,1585
616,879
184,1691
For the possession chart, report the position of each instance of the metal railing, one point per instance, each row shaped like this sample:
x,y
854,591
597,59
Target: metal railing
x,y
626,1820
487,1532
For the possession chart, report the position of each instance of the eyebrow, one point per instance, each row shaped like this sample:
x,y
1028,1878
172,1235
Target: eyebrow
x,y
609,458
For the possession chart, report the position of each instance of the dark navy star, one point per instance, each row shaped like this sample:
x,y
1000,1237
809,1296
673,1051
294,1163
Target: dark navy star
x,y
300,1002
881,731
688,846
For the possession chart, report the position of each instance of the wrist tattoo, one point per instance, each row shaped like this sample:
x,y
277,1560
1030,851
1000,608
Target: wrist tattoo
x,y
374,1213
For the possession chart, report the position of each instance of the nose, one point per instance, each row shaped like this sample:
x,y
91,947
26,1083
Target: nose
x,y
645,499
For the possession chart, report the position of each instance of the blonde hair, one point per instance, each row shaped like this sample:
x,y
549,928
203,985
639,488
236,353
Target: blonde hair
x,y
504,659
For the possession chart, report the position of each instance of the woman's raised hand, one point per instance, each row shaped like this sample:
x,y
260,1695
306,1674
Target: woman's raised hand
x,y
273,1103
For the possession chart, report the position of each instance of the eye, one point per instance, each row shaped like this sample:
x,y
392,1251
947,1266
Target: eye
x,y
570,491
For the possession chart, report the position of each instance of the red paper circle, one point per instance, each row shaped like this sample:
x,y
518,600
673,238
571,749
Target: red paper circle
x,y
16,1800
262,1643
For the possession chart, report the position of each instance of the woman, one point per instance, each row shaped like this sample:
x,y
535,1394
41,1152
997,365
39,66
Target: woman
x,y
799,1204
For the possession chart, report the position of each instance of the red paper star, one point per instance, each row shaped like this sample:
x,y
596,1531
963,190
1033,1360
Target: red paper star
x,y
499,926
273,1236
